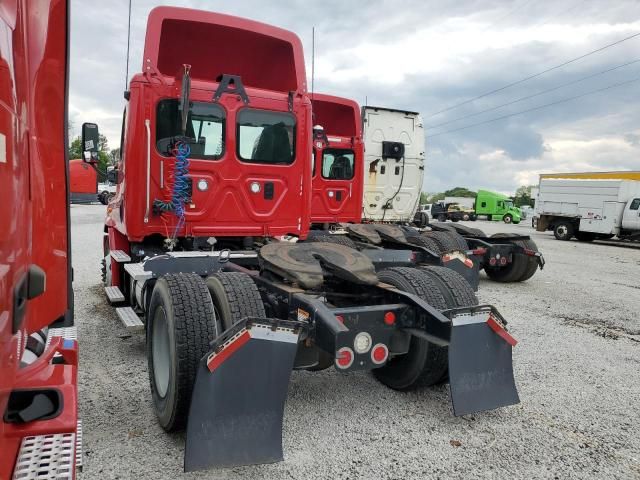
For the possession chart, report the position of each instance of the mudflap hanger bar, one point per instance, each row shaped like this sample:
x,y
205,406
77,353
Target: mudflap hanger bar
x,y
479,347
238,397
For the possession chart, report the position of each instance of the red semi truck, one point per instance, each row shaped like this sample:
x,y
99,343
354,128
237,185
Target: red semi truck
x,y
39,436
215,179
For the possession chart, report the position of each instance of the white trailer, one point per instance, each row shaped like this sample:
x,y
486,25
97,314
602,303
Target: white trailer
x,y
394,164
465,202
589,209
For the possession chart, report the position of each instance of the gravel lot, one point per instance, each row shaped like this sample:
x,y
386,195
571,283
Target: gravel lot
x,y
577,368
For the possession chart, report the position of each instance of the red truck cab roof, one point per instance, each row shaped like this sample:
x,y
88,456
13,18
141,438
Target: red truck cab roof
x,y
338,175
235,191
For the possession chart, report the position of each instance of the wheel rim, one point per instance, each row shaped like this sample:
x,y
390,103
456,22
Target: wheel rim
x,y
160,352
562,230
507,219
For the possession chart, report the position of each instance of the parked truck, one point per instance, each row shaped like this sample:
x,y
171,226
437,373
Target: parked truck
x,y
589,209
200,252
394,149
40,434
496,206
463,249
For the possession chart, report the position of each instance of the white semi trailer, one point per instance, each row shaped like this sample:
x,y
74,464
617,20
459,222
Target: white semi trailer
x,y
589,209
394,164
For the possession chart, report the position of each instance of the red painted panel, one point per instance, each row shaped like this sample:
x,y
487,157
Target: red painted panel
x,y
83,178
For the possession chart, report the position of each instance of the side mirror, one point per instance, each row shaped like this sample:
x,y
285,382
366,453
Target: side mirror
x,y
90,142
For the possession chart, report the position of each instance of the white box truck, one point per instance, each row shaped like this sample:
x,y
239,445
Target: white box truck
x,y
394,164
589,209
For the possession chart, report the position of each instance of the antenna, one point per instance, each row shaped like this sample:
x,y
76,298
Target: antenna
x,y
126,75
313,58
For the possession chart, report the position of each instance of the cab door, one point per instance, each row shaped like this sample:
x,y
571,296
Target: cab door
x,y
334,190
631,215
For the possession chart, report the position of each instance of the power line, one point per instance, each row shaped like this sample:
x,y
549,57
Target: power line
x,y
560,14
534,75
535,108
532,96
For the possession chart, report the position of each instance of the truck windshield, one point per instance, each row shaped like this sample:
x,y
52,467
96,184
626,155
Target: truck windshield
x,y
337,164
266,137
205,128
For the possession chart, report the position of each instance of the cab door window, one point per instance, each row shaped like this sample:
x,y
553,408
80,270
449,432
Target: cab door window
x,y
338,164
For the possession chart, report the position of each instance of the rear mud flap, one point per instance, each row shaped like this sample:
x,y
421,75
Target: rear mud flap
x,y
465,266
238,399
480,364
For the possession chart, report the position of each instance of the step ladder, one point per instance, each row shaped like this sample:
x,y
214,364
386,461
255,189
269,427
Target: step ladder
x,y
130,319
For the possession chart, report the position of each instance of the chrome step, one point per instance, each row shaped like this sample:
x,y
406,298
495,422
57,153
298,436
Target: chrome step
x,y
47,457
130,319
120,256
114,295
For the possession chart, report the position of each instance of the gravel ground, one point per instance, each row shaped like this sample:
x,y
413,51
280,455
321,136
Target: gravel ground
x,y
576,366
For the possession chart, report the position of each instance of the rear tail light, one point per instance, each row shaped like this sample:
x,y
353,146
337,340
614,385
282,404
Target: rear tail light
x,y
389,318
379,354
344,358
503,261
492,261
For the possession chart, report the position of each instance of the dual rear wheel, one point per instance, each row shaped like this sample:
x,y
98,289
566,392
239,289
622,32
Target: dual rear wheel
x,y
186,313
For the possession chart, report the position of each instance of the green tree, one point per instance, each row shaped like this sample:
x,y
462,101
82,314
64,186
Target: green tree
x,y
523,196
460,192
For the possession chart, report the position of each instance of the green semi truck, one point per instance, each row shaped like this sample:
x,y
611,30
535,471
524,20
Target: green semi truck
x,y
496,206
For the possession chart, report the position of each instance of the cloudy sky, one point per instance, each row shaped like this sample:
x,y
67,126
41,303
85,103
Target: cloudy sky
x,y
428,56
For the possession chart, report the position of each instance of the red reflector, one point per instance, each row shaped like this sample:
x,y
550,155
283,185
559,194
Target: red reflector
x,y
344,357
389,318
468,263
340,318
379,354
492,261
479,251
529,252
500,330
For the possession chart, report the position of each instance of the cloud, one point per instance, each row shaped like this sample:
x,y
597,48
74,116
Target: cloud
x,y
426,56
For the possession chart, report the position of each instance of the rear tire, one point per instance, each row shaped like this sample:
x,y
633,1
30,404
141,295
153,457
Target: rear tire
x,y
522,267
443,239
180,328
461,243
442,218
585,236
234,296
428,243
456,291
425,363
563,231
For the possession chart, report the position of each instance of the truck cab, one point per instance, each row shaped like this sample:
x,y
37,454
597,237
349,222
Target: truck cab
x,y
213,146
394,164
338,155
496,206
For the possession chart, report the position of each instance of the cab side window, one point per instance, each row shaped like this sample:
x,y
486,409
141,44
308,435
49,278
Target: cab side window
x,y
635,204
338,164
